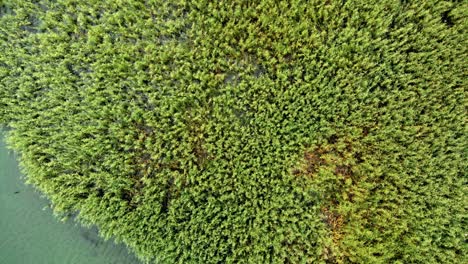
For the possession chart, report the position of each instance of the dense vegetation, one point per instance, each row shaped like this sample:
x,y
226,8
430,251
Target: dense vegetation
x,y
246,131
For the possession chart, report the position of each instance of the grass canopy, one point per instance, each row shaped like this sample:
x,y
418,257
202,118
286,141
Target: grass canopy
x,y
246,131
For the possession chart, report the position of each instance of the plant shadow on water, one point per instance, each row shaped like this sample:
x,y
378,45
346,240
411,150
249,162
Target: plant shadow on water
x,y
91,235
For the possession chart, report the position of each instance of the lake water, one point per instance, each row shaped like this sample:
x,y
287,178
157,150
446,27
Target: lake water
x,y
30,234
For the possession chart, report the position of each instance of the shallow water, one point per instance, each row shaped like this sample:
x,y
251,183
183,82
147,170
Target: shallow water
x,y
30,234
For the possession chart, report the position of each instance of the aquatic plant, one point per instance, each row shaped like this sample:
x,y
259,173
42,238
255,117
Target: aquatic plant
x,y
246,131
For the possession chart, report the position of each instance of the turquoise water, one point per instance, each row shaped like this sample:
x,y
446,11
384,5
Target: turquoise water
x,y
29,233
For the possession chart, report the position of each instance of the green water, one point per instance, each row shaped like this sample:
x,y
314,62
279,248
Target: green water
x,y
29,233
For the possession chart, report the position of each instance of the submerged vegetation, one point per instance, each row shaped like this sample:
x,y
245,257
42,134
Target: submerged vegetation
x,y
247,132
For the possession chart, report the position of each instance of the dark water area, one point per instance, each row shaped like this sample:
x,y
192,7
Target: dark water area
x,y
30,234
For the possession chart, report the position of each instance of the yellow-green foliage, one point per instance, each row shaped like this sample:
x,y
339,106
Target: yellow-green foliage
x,y
246,131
